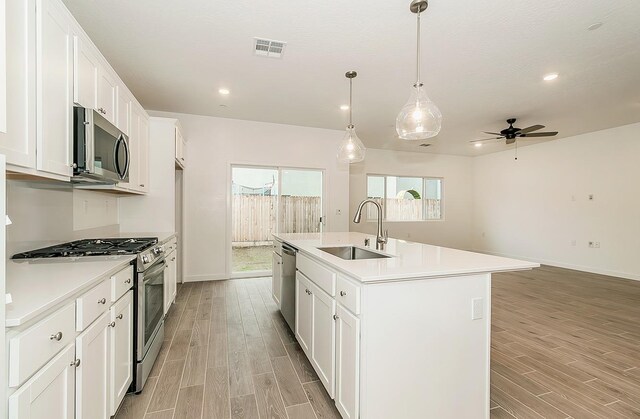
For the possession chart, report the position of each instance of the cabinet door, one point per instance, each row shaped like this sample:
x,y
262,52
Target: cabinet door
x,y
121,350
123,114
54,87
143,152
49,394
107,92
19,144
170,286
92,375
347,363
276,278
304,313
85,73
323,337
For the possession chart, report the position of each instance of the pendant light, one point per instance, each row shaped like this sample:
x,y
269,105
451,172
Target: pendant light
x,y
420,118
351,149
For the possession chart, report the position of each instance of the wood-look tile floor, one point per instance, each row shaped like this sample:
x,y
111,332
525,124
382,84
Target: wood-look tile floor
x,y
228,353
565,344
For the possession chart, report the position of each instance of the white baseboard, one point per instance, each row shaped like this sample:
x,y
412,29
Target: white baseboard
x,y
582,268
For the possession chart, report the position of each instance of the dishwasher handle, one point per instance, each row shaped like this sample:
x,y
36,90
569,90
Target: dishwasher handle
x,y
291,251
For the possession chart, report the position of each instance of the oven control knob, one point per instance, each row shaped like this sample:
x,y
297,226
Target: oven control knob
x,y
145,259
158,250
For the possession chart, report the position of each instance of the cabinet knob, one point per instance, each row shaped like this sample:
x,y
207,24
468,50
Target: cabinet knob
x,y
128,281
112,324
119,316
75,363
307,291
102,301
56,336
342,293
335,317
142,185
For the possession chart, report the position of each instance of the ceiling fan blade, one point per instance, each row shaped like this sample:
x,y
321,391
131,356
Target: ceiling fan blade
x,y
486,139
540,134
531,128
491,133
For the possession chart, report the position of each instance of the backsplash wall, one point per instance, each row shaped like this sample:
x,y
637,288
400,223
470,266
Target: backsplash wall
x,y
55,212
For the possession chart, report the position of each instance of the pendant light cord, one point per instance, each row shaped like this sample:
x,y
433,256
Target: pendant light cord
x,y
350,102
418,83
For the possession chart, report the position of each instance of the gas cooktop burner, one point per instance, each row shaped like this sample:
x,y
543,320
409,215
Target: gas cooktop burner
x,y
91,247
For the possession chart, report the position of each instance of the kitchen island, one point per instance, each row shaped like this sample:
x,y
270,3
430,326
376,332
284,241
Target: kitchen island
x,y
403,332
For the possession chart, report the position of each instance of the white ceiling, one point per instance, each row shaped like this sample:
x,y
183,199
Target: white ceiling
x,y
482,62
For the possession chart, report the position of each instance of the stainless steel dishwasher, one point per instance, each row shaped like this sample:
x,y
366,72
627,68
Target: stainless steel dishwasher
x,y
288,297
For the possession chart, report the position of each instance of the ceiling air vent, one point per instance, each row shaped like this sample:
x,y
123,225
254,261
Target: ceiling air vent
x,y
424,145
268,48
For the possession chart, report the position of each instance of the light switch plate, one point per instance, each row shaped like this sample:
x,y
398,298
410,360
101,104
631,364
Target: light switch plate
x,y
477,308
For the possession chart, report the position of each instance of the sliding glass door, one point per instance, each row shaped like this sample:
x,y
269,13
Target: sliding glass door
x,y
265,200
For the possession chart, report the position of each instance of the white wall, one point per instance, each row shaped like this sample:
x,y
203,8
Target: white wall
x,y
216,143
54,212
455,230
536,207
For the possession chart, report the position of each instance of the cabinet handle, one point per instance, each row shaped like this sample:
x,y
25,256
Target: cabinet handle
x,y
342,293
182,158
75,363
173,259
112,324
128,281
335,317
57,336
102,301
119,316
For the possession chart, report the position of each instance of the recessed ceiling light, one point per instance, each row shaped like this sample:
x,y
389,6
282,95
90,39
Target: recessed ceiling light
x,y
224,91
478,145
550,76
344,107
594,26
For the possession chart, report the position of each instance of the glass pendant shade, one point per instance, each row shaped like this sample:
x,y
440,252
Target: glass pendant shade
x,y
420,118
351,149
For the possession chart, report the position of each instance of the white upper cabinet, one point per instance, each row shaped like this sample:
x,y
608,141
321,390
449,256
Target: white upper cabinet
x,y
3,71
181,145
54,87
143,151
107,92
123,110
19,144
85,73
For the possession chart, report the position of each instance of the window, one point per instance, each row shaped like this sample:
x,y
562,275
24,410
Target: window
x,y
405,198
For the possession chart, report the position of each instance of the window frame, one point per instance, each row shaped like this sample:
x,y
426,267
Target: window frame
x,y
423,194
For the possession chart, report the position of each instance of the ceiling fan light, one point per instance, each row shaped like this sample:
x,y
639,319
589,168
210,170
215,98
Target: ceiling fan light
x,y
420,118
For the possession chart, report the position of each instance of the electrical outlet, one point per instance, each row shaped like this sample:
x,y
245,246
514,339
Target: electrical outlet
x,y
591,244
596,245
338,212
477,308
591,197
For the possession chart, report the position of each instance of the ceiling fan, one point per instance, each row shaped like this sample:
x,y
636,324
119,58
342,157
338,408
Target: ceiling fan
x,y
512,133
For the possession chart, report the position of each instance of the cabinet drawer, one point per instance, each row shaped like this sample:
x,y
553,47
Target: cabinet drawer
x,y
277,247
321,276
92,304
121,283
34,347
171,245
348,294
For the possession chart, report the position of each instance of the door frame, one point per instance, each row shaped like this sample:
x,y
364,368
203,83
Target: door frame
x,y
229,210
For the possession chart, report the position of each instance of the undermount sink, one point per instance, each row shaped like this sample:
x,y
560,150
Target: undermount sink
x,y
352,253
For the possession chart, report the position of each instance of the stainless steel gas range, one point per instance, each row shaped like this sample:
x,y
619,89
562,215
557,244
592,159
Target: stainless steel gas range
x,y
148,296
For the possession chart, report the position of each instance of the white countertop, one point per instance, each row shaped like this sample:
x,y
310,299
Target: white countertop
x,y
38,285
410,260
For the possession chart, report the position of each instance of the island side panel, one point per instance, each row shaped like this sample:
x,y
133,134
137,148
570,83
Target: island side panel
x,y
422,355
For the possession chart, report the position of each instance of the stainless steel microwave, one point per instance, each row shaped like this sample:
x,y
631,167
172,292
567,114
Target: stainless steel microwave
x,y
100,149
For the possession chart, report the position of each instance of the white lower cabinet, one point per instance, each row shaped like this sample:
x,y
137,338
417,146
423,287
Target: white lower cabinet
x,y
50,393
121,359
304,313
170,280
92,372
323,337
276,278
347,363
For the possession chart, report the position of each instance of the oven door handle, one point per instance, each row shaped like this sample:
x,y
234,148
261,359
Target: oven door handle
x,y
150,273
